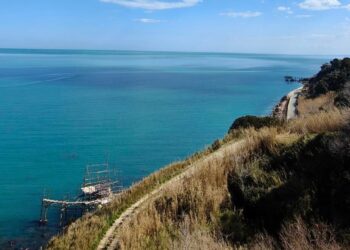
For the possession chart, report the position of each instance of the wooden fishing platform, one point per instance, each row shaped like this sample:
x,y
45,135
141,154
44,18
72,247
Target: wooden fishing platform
x,y
48,202
98,189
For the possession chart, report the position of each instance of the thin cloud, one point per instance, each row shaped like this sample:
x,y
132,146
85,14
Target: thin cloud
x,y
303,16
154,4
148,20
246,14
320,4
285,9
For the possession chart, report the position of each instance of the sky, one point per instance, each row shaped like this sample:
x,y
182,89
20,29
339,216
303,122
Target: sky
x,y
240,26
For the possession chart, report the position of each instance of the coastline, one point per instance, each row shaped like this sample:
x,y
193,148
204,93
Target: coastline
x,y
297,148
109,240
211,118
286,108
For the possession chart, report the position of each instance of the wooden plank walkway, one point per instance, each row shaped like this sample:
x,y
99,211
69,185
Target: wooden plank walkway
x,y
76,203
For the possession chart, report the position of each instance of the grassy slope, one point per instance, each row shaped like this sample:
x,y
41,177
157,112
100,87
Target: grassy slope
x,y
199,213
87,231
191,211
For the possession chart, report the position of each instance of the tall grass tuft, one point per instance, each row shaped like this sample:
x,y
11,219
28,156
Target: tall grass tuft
x,y
325,121
298,236
307,106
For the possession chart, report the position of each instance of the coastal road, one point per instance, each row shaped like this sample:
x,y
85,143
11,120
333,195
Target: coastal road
x,y
110,240
291,109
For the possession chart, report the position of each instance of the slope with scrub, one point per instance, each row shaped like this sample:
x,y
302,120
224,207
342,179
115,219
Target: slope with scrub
x,y
268,184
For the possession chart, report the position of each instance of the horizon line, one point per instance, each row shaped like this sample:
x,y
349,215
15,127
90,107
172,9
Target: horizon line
x,y
169,51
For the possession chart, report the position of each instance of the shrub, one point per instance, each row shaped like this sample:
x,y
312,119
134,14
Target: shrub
x,y
233,226
343,98
332,77
254,122
311,180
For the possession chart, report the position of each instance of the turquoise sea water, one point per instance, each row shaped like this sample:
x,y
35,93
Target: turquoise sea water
x,y
61,110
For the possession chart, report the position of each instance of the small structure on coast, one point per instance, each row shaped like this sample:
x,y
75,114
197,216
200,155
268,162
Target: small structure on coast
x,y
98,188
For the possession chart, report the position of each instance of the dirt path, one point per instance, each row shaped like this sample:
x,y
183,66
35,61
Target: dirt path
x,y
110,240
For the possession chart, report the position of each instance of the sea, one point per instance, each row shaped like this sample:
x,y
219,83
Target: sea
x,y
61,110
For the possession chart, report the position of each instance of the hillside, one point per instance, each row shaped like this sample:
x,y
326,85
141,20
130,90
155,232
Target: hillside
x,y
268,184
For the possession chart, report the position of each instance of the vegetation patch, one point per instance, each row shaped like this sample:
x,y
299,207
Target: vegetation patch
x,y
309,106
256,122
332,77
313,184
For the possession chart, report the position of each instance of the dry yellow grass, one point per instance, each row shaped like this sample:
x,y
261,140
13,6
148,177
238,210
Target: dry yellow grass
x,y
307,106
297,236
195,199
324,121
195,202
190,238
319,115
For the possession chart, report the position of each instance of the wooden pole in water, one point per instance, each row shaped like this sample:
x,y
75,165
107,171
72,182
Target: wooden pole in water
x,y
43,213
44,208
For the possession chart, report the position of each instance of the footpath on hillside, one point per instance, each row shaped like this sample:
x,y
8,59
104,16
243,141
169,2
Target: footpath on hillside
x,y
110,240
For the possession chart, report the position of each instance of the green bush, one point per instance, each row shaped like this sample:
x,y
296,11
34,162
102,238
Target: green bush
x,y
254,121
332,77
343,98
234,227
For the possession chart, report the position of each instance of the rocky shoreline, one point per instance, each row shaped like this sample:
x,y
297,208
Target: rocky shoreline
x,y
280,110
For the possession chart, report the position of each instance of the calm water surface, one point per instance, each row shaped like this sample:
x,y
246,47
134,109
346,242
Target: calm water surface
x,y
61,110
